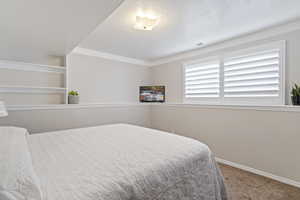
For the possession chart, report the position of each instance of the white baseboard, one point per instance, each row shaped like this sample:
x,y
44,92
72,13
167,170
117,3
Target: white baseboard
x,y
259,172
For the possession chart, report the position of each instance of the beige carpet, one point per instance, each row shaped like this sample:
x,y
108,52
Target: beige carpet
x,y
242,185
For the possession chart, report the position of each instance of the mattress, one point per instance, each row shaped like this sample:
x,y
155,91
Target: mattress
x,y
124,162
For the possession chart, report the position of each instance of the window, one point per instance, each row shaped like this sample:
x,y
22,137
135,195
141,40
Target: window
x,y
202,80
250,77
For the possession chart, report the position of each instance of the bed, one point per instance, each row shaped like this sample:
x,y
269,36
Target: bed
x,y
110,162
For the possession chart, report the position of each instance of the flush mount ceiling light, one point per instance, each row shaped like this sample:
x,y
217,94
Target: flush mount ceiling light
x,y
145,22
146,19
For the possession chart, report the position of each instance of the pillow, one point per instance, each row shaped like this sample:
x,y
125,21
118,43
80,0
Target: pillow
x,y
18,180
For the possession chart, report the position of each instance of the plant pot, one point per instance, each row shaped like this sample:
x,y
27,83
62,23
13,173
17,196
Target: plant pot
x,y
73,99
296,100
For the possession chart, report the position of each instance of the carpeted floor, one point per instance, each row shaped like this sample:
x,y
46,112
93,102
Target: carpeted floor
x,y
242,185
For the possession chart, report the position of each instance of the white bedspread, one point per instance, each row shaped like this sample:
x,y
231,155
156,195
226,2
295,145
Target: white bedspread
x,y
124,162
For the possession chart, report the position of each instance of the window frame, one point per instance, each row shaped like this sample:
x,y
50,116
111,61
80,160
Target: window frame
x,y
221,100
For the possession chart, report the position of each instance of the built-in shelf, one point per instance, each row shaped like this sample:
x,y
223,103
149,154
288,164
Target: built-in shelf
x,y
71,106
283,108
31,67
31,90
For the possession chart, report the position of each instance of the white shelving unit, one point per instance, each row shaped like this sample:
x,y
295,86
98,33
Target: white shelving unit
x,y
21,66
32,90
31,67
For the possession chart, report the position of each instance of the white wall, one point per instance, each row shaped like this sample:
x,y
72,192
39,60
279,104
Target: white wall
x,y
98,81
170,74
264,140
42,120
105,81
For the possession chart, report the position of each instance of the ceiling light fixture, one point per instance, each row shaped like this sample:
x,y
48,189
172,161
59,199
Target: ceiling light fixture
x,y
146,19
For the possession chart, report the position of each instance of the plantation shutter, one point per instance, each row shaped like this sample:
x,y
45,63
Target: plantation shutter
x,y
256,75
202,80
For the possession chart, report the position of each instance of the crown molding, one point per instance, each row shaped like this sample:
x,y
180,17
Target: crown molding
x,y
90,52
228,42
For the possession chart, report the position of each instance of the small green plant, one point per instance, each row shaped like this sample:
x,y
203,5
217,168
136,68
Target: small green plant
x,y
73,93
295,91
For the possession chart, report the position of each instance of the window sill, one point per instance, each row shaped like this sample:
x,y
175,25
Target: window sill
x,y
278,108
283,108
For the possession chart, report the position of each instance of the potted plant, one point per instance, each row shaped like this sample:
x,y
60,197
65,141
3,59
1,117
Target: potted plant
x,y
73,97
296,95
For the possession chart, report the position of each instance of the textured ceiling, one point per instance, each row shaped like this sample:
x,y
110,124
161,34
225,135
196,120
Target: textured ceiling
x,y
184,23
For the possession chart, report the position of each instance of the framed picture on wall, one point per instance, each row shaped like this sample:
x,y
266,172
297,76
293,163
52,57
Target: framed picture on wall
x,y
152,94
